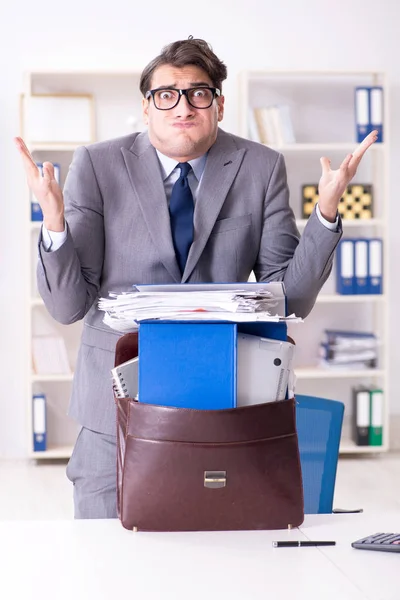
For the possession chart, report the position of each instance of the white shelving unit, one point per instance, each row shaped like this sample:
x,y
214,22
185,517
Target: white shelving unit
x,y
322,111
117,111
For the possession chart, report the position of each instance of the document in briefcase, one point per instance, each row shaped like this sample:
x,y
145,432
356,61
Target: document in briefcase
x,y
182,469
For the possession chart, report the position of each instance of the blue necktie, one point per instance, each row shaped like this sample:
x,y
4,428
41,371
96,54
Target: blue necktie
x,y
181,215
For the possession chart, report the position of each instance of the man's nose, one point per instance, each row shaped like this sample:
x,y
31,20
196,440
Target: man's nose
x,y
184,109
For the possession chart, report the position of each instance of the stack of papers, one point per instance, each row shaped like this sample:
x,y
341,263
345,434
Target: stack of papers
x,y
223,302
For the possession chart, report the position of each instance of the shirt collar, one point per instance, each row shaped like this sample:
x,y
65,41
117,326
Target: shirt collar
x,y
169,164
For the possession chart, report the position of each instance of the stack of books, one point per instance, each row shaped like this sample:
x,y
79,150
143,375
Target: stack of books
x,y
271,125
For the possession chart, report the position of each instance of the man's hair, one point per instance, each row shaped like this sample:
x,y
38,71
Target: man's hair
x,y
183,53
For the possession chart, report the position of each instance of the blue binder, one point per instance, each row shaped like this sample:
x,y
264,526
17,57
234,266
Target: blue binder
x,y
362,112
39,422
193,364
190,365
375,266
36,211
376,111
361,265
345,274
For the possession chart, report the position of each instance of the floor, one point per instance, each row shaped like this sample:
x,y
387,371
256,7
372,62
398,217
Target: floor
x,y
42,491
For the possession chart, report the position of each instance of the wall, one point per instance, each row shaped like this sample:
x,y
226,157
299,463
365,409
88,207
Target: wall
x,y
347,34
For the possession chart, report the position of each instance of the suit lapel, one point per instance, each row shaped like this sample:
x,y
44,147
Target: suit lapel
x,y
146,179
223,162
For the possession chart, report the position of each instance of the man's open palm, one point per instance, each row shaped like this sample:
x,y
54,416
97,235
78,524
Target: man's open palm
x,y
333,183
45,188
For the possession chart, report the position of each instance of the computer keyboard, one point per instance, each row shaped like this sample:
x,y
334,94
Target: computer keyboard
x,y
385,542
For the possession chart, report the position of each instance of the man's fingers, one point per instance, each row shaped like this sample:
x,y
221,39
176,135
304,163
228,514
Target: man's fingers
x,y
29,164
365,144
48,171
345,164
325,164
23,148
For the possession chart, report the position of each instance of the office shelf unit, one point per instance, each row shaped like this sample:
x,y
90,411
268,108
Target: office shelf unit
x,y
322,113
116,102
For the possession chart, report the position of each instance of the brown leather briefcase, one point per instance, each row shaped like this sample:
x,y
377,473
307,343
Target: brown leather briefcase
x,y
191,470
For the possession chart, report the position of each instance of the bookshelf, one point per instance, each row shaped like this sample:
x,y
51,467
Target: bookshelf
x,y
116,102
322,115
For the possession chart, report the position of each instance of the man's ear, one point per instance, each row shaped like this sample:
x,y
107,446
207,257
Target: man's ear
x,y
145,111
220,102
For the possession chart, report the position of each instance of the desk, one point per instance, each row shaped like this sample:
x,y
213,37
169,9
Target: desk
x,y
99,559
376,574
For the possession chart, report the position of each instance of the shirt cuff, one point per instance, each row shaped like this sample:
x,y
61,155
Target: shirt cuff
x,y
53,240
327,224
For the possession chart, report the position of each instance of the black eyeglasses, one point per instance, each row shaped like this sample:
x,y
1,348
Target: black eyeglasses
x,y
165,99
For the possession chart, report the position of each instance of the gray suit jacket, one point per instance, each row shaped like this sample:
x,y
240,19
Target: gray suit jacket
x,y
119,234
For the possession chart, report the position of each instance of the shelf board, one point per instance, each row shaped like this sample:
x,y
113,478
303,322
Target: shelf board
x,y
86,72
37,302
347,446
343,298
50,147
262,74
36,224
347,223
322,373
323,147
52,378
51,453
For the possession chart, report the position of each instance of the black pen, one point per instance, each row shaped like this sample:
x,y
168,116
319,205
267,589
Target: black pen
x,y
300,544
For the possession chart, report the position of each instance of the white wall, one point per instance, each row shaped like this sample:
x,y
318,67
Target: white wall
x,y
345,34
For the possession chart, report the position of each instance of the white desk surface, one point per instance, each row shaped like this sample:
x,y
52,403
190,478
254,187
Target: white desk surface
x,y
99,559
376,574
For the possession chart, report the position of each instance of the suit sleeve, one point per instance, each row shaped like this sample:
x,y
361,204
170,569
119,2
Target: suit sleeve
x,y
69,278
302,263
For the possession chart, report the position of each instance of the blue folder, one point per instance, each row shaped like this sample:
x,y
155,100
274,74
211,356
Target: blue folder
x,y
345,267
375,266
39,425
193,364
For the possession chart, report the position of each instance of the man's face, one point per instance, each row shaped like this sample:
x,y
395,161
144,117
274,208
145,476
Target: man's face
x,y
183,132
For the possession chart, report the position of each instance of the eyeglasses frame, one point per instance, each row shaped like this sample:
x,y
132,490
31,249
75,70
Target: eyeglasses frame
x,y
215,92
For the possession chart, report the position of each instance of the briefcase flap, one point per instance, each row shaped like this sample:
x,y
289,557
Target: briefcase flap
x,y
242,424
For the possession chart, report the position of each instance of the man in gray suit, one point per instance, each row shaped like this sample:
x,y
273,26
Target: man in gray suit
x,y
182,202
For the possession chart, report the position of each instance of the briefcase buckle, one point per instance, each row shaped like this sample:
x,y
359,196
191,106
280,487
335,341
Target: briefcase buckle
x,y
214,479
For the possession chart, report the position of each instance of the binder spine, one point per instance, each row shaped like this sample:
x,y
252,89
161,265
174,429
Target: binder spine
x,y
376,111
361,266
376,418
362,112
375,266
361,416
345,280
39,424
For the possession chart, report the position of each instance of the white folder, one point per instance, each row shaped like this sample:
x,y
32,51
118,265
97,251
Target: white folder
x,y
263,367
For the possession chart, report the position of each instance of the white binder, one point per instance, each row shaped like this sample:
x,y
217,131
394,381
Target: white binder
x,y
125,379
263,368
361,266
362,112
375,266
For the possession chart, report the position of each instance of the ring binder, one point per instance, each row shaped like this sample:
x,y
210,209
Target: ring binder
x,y
125,379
